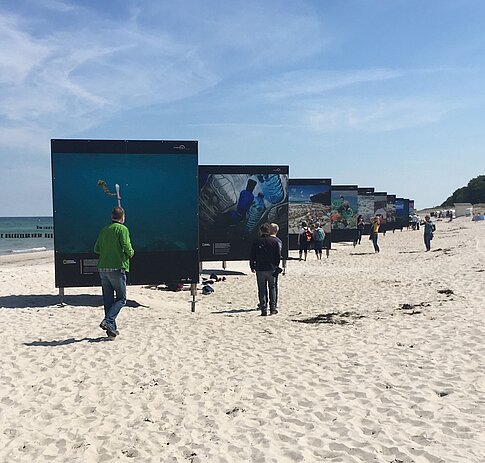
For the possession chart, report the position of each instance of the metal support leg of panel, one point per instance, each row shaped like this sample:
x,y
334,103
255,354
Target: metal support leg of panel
x,y
61,297
193,292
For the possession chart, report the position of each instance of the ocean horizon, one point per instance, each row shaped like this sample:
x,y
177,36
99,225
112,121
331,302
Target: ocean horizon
x,y
26,234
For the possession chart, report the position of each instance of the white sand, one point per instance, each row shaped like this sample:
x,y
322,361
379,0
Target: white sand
x,y
226,385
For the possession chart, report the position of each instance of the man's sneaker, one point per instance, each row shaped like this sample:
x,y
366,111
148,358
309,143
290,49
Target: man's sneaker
x,y
109,331
273,312
264,313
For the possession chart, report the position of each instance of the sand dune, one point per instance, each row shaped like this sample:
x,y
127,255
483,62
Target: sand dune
x,y
372,358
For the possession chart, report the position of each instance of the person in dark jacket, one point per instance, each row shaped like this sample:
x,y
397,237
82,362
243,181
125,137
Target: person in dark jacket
x,y
264,259
429,228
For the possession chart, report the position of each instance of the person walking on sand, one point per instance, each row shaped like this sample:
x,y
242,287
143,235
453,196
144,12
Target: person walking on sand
x,y
264,258
318,239
115,251
429,228
305,237
360,229
273,232
374,232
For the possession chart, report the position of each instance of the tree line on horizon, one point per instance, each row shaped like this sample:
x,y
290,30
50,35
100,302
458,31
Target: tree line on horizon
x,y
473,193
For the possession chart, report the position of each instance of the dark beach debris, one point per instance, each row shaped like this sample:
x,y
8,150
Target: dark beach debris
x,y
400,344
481,270
442,393
235,411
130,453
447,292
332,318
191,456
413,306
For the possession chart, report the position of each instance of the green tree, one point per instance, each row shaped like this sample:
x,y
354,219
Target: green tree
x,y
473,193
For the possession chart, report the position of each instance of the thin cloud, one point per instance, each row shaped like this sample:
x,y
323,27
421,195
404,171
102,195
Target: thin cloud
x,y
21,53
310,83
69,80
376,116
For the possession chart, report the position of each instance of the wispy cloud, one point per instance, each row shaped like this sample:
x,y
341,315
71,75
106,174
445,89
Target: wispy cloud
x,y
314,82
70,79
21,53
380,115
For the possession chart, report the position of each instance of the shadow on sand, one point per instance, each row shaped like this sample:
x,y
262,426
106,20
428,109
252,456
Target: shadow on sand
x,y
207,271
65,342
23,301
232,311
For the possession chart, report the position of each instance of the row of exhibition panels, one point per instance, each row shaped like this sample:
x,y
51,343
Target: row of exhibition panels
x,y
180,213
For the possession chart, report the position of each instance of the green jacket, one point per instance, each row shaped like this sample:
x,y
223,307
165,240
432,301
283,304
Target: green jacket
x,y
114,247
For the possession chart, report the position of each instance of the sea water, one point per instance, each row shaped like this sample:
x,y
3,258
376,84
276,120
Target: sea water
x,y
26,234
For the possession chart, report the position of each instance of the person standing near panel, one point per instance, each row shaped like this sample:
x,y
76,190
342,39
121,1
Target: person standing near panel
x,y
374,232
273,231
264,259
360,229
305,236
318,239
115,251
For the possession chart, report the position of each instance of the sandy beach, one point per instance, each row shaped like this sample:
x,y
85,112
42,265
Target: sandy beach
x,y
372,358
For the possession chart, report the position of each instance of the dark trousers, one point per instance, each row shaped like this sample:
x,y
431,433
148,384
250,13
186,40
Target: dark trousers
x,y
427,241
114,295
375,236
266,284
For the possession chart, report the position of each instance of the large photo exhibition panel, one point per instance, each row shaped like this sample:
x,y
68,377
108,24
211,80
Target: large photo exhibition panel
x,y
412,210
365,206
158,191
309,201
344,211
380,208
402,213
391,212
233,203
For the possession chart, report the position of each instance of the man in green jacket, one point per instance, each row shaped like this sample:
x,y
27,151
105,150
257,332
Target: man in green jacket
x,y
114,248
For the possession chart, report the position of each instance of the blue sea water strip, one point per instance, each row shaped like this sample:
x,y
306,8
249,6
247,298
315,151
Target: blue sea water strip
x,y
26,234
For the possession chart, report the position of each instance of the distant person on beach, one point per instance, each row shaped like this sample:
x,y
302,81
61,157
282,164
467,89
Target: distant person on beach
x,y
305,237
374,232
115,251
273,232
415,221
264,259
429,228
318,239
360,229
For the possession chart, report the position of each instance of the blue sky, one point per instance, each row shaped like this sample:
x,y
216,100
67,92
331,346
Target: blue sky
x,y
382,93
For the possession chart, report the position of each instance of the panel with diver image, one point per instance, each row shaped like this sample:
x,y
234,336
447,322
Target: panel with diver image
x,y
233,202
156,184
309,201
344,212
